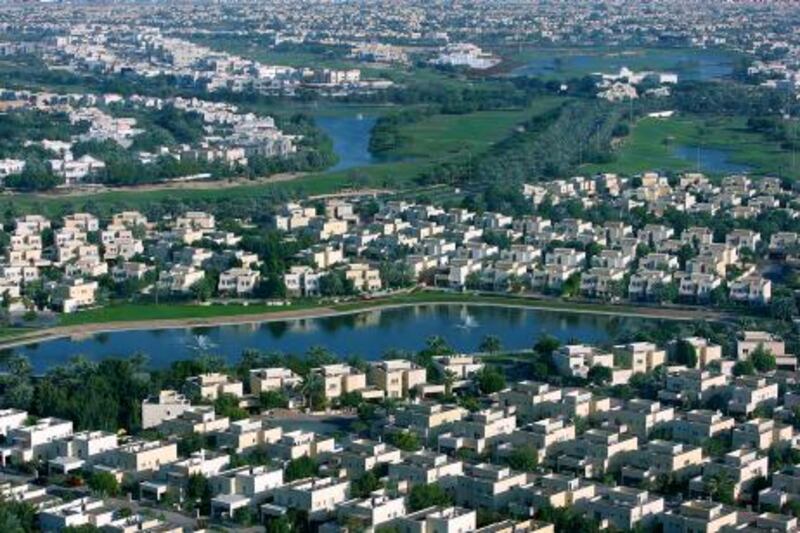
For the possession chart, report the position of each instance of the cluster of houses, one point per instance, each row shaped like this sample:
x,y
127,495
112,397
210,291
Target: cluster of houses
x,y
452,248
605,458
458,248
622,85
148,52
229,136
82,251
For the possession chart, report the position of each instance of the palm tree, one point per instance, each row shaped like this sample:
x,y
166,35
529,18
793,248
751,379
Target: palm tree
x,y
448,379
490,344
312,387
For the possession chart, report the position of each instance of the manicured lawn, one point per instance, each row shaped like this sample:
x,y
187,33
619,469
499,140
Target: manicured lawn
x,y
652,144
440,135
173,311
433,141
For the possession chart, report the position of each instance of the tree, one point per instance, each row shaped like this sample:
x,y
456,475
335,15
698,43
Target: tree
x,y
104,483
685,353
301,468
423,496
744,368
599,375
203,289
198,490
405,440
720,488
313,389
272,399
362,487
473,281
490,380
546,345
279,524
490,344
227,405
448,380
762,359
524,459
17,517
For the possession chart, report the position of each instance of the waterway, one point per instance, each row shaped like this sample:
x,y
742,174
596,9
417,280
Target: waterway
x,y
689,64
350,135
368,334
709,160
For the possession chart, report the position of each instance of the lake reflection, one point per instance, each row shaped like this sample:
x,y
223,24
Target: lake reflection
x,y
368,334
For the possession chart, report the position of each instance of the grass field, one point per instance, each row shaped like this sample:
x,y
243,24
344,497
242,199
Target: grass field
x,y
433,141
439,135
652,144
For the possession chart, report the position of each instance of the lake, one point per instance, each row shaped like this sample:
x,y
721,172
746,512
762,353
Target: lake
x,y
689,64
367,333
350,135
711,160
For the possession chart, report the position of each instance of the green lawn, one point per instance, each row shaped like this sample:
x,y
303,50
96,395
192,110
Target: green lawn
x,y
439,135
652,143
173,311
432,141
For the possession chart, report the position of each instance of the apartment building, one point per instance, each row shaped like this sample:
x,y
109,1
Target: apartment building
x,y
295,444
138,457
641,356
542,436
742,467
761,434
361,455
166,406
36,441
213,385
705,350
379,508
747,393
11,419
479,430
317,497
575,360
271,379
428,419
701,516
662,458
426,467
698,425
238,281
594,452
551,490
749,341
243,435
397,378
692,385
487,486
623,507
340,379
73,294
242,487
535,400
641,417
438,520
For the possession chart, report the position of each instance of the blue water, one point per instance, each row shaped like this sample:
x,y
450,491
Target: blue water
x,y
367,334
711,160
698,65
350,136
